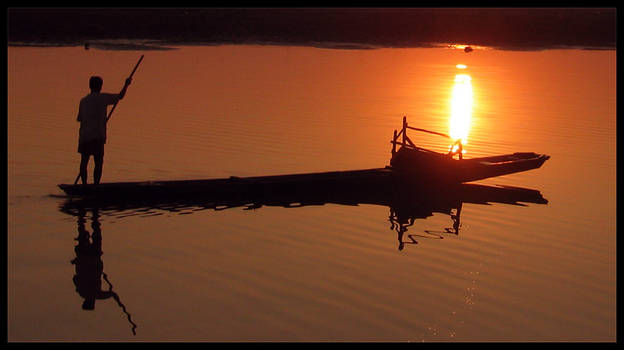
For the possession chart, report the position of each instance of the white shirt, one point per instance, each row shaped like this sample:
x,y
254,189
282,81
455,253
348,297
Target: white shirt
x,y
92,115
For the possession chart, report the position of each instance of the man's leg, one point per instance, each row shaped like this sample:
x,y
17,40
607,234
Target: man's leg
x,y
97,171
84,161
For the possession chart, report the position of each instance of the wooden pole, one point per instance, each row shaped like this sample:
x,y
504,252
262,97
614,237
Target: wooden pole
x,y
404,127
431,132
394,138
130,77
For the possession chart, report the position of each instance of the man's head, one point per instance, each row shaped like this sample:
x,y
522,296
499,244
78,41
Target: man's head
x,y
95,83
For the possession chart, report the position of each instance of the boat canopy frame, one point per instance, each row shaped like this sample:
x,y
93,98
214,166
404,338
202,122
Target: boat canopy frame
x,y
407,142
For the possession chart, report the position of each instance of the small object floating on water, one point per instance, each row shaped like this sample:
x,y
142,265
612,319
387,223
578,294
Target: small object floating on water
x,y
467,49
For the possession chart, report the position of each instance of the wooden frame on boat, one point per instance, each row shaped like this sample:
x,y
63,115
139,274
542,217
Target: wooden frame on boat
x,y
407,142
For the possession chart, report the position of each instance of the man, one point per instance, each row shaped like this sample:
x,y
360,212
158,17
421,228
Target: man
x,y
92,118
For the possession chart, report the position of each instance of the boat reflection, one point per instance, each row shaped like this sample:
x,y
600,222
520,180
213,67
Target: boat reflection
x,y
421,203
89,266
407,202
400,223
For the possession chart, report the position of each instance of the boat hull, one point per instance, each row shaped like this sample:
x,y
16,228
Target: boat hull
x,y
429,165
231,187
407,167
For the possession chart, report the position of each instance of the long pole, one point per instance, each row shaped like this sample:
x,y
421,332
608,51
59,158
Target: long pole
x,y
130,77
431,132
115,105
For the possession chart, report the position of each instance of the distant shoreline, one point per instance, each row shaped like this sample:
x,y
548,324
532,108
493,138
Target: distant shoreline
x,y
337,28
149,45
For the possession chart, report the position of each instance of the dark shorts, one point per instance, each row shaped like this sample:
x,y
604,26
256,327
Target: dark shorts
x,y
92,147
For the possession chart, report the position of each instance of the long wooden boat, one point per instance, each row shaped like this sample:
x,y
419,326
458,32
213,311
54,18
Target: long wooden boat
x,y
410,164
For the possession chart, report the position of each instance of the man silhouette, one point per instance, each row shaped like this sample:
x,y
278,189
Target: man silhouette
x,y
92,118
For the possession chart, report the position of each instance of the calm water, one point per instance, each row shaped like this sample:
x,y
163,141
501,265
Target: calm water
x,y
325,272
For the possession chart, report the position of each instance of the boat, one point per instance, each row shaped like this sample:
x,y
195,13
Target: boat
x,y
413,161
408,165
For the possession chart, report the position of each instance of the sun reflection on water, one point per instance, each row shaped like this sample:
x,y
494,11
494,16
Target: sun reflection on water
x,y
461,108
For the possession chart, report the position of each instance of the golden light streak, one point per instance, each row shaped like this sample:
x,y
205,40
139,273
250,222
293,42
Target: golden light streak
x,y
461,108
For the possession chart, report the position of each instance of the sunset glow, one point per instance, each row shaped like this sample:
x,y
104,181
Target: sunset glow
x,y
461,108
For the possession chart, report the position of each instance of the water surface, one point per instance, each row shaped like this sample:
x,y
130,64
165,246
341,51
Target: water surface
x,y
539,272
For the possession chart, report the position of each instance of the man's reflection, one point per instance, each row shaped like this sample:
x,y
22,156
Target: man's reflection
x,y
88,262
89,265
